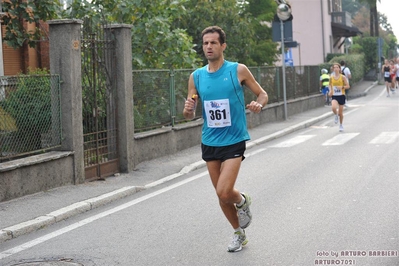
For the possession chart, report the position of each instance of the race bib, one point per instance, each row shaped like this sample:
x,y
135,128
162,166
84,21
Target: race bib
x,y
218,113
337,91
387,74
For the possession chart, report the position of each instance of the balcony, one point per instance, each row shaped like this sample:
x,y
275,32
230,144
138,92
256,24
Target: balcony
x,y
342,18
341,23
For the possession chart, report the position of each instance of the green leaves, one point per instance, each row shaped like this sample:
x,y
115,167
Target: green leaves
x,y
165,33
19,12
29,104
156,43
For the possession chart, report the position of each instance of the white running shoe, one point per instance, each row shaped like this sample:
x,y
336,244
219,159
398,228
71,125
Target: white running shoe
x,y
239,240
341,128
336,119
244,213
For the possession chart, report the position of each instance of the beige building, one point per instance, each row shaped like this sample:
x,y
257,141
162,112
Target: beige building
x,y
320,27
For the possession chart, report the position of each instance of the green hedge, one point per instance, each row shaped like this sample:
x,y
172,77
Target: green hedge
x,y
355,62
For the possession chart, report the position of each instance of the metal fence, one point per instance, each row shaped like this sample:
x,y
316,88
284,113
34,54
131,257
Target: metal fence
x,y
159,95
30,115
99,101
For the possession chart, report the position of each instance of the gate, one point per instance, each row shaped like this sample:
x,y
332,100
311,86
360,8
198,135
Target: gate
x,y
99,113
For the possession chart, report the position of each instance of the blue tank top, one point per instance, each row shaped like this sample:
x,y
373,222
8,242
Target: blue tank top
x,y
223,105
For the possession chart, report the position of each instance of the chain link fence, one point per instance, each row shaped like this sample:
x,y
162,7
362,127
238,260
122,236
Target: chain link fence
x,y
30,115
159,95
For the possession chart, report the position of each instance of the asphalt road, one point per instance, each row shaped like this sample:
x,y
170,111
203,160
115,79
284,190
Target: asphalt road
x,y
320,197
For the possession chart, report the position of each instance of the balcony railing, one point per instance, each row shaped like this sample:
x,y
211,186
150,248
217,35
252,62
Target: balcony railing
x,y
342,18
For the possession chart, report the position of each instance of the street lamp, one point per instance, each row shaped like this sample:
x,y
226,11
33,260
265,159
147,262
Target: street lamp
x,y
283,11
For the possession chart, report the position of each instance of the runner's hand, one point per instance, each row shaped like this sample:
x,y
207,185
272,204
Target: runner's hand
x,y
255,107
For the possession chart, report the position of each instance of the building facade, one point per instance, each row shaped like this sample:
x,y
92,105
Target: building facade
x,y
320,27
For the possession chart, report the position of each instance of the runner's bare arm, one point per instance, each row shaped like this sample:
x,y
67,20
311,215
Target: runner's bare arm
x,y
190,103
246,78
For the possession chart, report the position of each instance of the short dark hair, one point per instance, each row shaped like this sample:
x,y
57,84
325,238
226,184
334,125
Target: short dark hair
x,y
342,63
213,29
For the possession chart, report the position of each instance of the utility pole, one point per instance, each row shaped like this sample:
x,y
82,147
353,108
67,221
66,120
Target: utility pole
x,y
1,41
283,68
2,89
283,18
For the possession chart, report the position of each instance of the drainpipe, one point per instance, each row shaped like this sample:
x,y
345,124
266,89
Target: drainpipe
x,y
322,30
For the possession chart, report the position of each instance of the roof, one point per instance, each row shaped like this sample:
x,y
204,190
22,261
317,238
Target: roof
x,y
341,30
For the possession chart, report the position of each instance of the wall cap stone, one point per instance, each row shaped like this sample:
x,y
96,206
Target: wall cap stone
x,y
32,160
65,21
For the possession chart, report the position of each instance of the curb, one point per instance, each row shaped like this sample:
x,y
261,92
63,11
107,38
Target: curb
x,y
64,213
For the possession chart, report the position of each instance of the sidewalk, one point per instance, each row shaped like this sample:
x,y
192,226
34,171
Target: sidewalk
x,y
30,213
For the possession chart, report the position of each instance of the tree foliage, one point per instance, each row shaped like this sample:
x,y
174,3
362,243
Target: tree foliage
x,y
224,13
352,6
374,25
165,33
248,39
362,21
18,12
155,44
264,50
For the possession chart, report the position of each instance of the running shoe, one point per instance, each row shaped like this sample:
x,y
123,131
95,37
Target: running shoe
x,y
341,128
336,119
244,213
239,240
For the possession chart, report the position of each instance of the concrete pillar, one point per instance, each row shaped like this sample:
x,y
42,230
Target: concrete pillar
x,y
124,94
65,60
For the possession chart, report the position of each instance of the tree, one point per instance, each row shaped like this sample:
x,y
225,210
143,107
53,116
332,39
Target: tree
x,y
20,12
155,44
385,25
165,33
264,50
245,23
362,20
374,23
224,13
351,6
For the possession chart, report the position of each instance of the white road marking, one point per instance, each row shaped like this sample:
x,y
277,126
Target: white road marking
x,y
340,139
293,141
254,152
385,138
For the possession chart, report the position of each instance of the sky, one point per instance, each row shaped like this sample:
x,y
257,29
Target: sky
x,y
391,10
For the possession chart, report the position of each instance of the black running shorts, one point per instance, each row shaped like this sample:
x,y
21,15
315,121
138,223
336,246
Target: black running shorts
x,y
340,99
223,153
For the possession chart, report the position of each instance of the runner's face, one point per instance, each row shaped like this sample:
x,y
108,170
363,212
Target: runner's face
x,y
337,68
211,46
